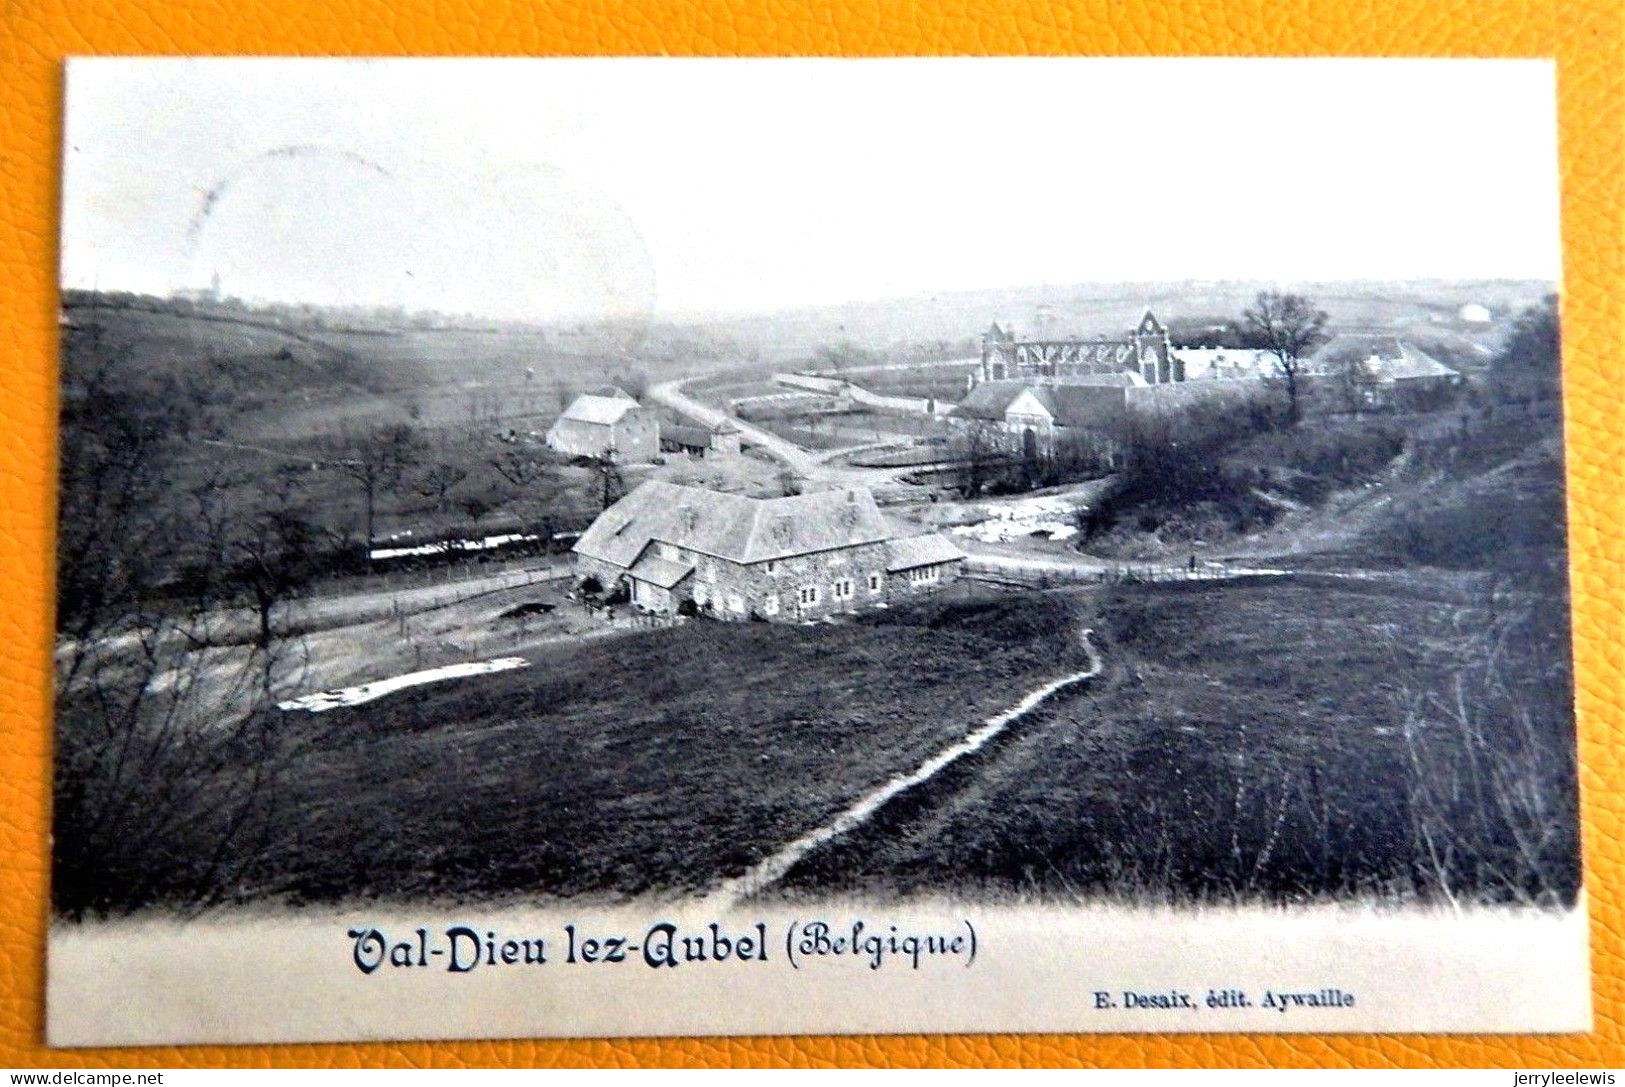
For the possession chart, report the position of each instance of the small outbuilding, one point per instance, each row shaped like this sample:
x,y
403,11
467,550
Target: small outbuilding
x,y
697,441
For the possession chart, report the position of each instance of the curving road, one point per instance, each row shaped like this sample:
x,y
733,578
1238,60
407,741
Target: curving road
x,y
670,393
809,466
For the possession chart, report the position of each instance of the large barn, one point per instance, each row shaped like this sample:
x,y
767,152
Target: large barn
x,y
1092,410
795,558
608,423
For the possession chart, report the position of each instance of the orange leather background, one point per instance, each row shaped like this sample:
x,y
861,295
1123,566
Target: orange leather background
x,y
1586,36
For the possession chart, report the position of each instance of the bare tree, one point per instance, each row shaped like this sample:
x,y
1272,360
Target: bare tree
x,y
520,466
377,460
1286,325
278,554
123,441
437,481
159,687
611,485
975,447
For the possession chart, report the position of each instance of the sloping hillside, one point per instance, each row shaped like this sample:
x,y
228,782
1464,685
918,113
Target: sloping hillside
x,y
1503,513
1509,517
251,360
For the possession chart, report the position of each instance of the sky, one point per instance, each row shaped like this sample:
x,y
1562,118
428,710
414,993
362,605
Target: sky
x,y
572,188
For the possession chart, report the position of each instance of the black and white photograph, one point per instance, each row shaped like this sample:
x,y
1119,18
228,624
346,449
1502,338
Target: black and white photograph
x,y
638,546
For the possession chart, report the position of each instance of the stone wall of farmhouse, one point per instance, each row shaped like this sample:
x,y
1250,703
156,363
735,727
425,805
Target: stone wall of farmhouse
x,y
923,581
607,573
802,587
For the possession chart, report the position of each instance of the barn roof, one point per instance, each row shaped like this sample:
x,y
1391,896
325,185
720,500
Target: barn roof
x,y
1413,362
677,434
1085,404
927,550
989,400
731,526
1398,360
1088,400
1355,347
601,410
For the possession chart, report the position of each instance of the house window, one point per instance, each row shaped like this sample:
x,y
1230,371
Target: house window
x,y
772,567
923,573
807,595
874,583
843,589
770,604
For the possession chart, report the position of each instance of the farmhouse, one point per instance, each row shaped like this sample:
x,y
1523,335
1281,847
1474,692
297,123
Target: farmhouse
x,y
675,548
1378,371
596,425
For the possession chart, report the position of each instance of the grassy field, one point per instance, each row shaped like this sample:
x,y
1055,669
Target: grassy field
x,y
884,424
1271,741
644,763
945,383
829,436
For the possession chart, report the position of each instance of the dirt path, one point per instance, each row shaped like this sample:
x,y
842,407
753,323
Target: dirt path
x,y
671,394
808,465
775,867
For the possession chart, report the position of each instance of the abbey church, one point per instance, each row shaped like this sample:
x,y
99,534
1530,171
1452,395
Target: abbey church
x,y
1146,353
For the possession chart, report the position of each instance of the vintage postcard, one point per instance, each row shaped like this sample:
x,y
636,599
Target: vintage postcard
x,y
645,546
